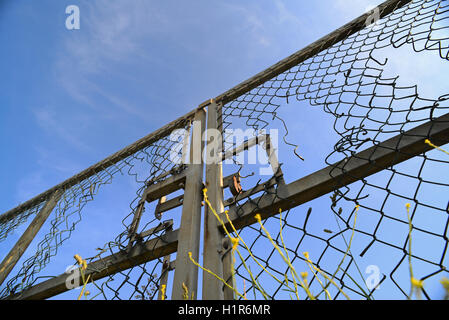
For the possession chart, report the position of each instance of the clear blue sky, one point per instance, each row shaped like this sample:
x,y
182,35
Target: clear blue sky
x,y
71,98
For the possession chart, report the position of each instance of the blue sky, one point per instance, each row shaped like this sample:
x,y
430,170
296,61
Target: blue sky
x,y
72,97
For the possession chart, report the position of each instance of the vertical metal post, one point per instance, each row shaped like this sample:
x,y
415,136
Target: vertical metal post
x,y
186,273
228,267
22,244
227,258
164,277
213,237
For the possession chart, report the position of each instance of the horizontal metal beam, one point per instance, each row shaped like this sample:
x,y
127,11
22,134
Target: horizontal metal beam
x,y
361,165
308,52
170,204
140,253
162,226
244,146
169,185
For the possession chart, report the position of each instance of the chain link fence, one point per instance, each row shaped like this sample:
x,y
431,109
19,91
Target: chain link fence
x,y
349,83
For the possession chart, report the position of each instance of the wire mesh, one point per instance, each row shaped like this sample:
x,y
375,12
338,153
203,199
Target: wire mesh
x,y
7,227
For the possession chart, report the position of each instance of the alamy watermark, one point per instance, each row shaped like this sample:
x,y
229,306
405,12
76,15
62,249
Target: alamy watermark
x,y
372,21
73,277
72,22
373,280
254,147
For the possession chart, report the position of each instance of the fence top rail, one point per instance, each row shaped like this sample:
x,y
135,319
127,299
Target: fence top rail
x,y
100,166
311,50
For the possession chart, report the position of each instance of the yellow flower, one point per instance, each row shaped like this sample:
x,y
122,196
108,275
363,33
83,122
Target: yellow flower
x,y
306,254
357,207
190,254
163,287
258,217
445,283
235,243
87,293
78,259
206,199
407,206
304,274
417,283
84,265
427,141
185,295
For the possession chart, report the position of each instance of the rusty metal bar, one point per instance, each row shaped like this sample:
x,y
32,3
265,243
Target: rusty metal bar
x,y
228,179
256,189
